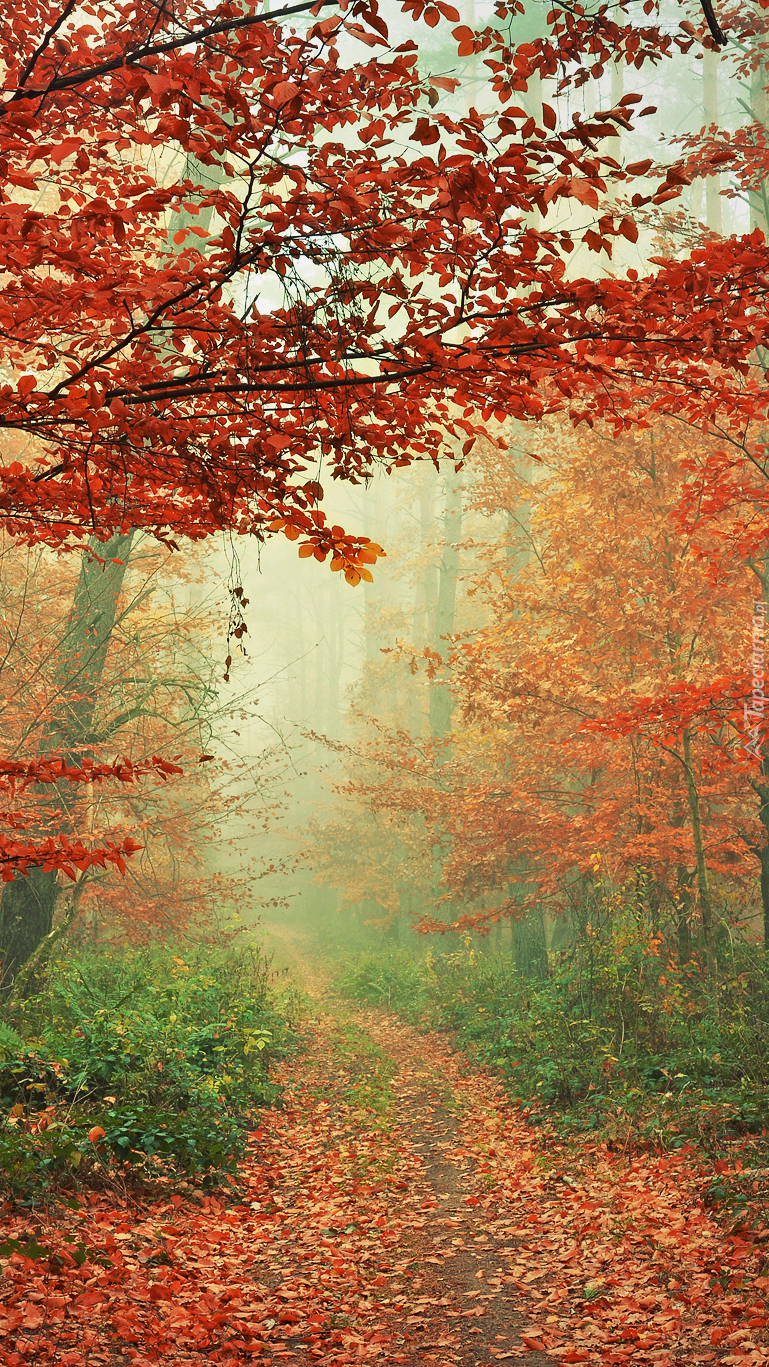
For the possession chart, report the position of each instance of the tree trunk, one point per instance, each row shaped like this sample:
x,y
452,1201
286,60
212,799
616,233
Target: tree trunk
x,y
563,932
83,651
27,904
703,885
527,931
757,198
529,944
713,201
683,915
425,597
26,917
441,702
427,497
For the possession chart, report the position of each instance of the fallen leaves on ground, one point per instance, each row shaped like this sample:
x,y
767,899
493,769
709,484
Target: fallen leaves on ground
x,y
434,1229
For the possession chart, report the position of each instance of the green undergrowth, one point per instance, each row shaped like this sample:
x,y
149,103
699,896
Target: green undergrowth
x,y
619,1040
135,1065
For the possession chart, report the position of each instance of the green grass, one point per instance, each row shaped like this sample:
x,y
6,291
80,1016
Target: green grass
x,y
369,1069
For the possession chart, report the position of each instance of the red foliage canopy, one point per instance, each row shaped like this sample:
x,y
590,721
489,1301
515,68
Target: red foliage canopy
x,y
223,269
235,252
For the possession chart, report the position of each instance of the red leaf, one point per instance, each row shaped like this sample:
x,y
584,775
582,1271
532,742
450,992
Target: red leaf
x,y
583,191
629,229
425,132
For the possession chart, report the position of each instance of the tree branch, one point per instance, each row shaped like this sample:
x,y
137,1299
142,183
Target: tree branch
x,y
139,54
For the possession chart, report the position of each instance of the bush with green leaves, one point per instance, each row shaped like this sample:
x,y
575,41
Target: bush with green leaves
x,y
165,1052
620,1037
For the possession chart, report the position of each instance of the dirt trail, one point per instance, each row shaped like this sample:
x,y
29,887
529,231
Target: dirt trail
x,y
462,1307
466,1308
544,1254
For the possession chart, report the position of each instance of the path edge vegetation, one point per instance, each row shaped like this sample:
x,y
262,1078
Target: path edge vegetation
x,y
618,1042
141,1068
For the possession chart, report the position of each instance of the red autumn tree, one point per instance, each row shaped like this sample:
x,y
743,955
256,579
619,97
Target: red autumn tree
x,y
239,247
610,687
193,386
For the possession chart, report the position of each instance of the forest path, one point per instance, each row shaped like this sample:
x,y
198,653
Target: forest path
x,y
450,1299
560,1252
398,1209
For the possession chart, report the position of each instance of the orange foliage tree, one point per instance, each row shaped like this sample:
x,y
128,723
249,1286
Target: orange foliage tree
x,y
599,697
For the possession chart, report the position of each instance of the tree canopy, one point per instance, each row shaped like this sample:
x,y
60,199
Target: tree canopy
x,y
239,247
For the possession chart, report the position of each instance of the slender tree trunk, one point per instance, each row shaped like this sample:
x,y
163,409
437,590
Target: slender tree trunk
x,y
703,884
83,651
617,91
417,643
333,645
758,198
529,940
713,201
529,944
425,596
441,702
302,664
527,932
440,699
684,914
563,932
28,903
683,901
427,523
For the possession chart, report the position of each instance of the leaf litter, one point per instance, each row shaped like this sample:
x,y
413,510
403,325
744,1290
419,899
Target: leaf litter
x,y
399,1208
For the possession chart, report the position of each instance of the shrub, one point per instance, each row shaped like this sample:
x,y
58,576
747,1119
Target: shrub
x,y
164,1052
392,978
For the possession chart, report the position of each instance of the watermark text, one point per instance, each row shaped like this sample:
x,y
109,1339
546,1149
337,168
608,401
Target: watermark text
x,y
755,710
